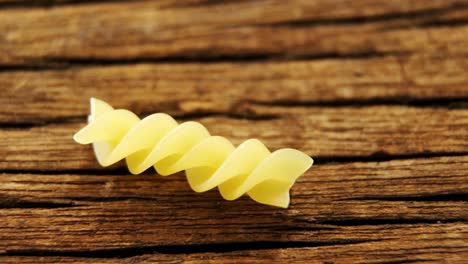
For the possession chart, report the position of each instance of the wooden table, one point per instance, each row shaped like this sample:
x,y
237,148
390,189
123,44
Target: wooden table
x,y
375,91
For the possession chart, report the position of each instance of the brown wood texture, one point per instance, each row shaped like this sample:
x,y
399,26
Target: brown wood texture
x,y
375,91
230,88
331,133
142,30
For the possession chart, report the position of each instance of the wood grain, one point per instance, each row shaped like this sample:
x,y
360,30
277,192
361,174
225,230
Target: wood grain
x,y
411,244
331,203
319,131
25,4
230,88
129,30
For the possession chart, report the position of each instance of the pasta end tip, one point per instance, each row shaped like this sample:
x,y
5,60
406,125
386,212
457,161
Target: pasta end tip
x,y
77,138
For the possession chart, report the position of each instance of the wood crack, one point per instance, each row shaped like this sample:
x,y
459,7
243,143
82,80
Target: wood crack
x,y
383,156
109,199
442,102
389,221
12,4
181,117
427,15
201,57
126,252
444,23
450,197
9,203
51,3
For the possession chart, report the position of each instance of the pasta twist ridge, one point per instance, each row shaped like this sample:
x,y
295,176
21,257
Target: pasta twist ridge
x,y
208,161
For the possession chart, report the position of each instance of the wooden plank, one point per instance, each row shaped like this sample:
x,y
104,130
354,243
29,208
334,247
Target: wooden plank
x,y
181,89
319,131
367,177
443,243
371,7
331,204
97,31
53,3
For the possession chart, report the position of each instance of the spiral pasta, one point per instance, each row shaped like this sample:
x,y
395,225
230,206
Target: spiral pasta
x,y
209,161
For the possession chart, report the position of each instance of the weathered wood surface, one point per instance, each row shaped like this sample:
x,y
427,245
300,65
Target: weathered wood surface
x,y
134,30
438,243
230,88
430,244
331,133
376,91
337,203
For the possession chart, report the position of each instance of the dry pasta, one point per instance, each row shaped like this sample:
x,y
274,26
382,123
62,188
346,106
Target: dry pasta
x,y
208,161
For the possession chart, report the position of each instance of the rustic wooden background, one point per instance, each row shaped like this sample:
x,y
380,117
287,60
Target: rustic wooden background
x,y
375,90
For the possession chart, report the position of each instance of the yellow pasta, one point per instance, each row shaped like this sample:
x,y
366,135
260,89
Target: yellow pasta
x,y
208,161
